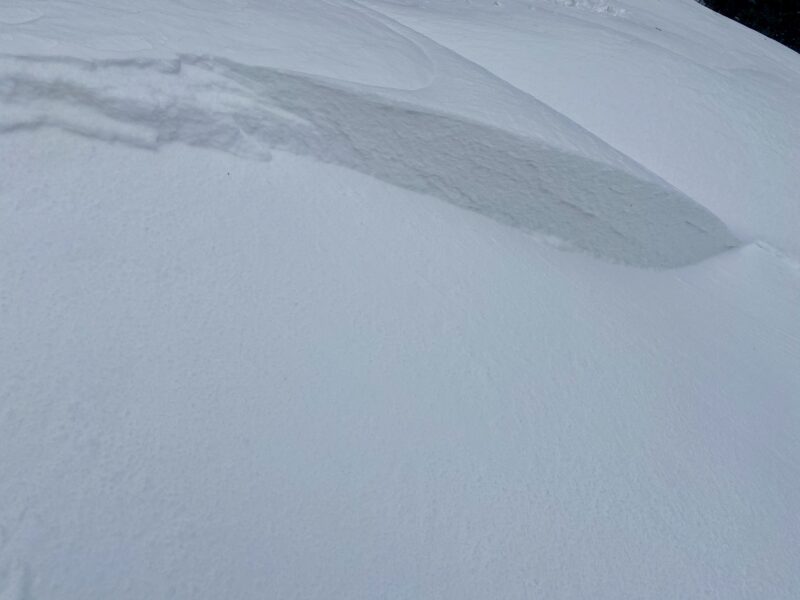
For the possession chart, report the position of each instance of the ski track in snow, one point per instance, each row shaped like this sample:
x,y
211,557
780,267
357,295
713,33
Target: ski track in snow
x,y
248,110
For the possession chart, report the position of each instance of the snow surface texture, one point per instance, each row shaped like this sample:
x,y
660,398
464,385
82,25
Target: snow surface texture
x,y
247,351
521,181
697,99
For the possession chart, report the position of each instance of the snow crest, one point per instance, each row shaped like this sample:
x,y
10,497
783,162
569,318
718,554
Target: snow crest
x,y
247,110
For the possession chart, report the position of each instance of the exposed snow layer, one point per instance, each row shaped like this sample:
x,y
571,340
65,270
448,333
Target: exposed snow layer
x,y
527,182
252,346
698,99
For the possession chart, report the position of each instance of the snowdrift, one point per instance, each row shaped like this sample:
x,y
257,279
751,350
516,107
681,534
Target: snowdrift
x,y
286,311
594,200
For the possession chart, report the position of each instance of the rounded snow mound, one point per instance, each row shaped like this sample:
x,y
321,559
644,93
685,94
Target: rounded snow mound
x,y
611,208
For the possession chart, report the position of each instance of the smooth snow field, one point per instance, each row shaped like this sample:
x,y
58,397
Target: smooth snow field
x,y
410,299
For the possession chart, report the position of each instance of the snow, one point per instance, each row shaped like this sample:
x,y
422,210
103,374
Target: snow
x,y
246,110
696,99
253,345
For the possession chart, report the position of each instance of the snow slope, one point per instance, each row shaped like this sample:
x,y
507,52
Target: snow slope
x,y
699,100
584,189
252,345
